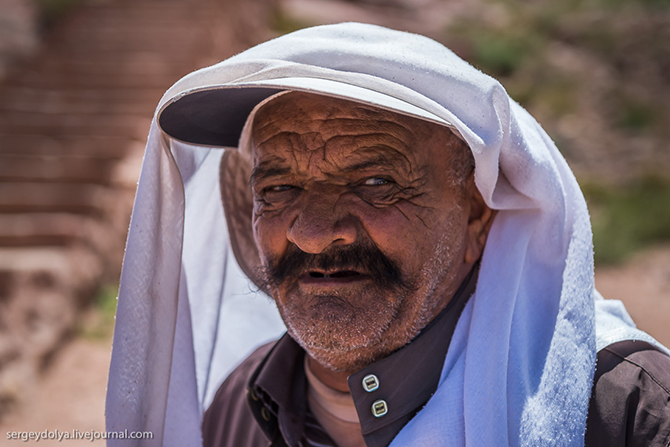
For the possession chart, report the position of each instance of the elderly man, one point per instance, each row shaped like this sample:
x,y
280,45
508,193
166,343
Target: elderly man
x,y
425,243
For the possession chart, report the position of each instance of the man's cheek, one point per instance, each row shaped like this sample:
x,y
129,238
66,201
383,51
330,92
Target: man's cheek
x,y
270,237
396,233
403,216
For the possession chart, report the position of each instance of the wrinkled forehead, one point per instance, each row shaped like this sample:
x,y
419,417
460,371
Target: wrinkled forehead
x,y
309,122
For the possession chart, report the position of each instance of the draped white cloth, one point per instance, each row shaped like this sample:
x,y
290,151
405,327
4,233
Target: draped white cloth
x,y
520,365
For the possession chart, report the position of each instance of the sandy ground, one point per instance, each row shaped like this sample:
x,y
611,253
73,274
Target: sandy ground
x,y
70,395
643,284
71,392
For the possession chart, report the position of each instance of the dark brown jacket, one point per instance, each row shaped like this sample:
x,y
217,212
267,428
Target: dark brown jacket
x,y
630,403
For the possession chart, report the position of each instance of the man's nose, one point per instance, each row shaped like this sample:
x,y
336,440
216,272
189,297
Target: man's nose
x,y
321,223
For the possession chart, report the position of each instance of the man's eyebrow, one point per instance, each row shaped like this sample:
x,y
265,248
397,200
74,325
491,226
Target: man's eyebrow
x,y
264,171
378,162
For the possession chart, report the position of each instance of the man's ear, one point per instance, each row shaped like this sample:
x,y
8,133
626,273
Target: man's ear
x,y
480,220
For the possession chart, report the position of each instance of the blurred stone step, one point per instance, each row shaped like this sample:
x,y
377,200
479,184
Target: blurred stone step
x,y
141,65
57,106
141,11
41,290
121,31
179,31
116,50
152,11
109,147
89,102
61,168
117,61
158,15
24,123
48,265
58,229
116,28
86,168
51,100
110,80
78,198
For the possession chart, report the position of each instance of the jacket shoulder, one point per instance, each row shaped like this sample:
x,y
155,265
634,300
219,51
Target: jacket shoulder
x,y
630,399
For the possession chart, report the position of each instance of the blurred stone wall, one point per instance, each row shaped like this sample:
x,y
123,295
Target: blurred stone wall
x,y
73,125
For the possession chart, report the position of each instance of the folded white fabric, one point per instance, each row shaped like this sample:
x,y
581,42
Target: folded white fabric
x,y
520,365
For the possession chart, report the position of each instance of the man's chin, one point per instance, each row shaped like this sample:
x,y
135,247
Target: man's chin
x,y
337,341
341,330
336,357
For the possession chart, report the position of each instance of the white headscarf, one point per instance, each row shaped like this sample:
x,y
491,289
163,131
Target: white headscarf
x,y
520,365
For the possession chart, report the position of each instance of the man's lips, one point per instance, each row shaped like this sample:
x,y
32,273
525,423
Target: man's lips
x,y
334,274
332,278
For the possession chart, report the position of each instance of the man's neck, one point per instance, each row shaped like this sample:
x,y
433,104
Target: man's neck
x,y
336,380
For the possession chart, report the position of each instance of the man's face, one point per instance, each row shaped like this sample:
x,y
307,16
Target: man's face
x,y
362,231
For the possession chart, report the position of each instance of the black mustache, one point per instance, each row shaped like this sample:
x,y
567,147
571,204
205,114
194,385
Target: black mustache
x,y
365,259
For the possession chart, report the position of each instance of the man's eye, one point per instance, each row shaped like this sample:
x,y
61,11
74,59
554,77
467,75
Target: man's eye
x,y
279,193
376,181
278,188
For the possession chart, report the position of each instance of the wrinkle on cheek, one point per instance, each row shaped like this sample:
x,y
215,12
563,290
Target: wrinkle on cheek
x,y
413,213
412,198
262,209
414,192
266,213
407,204
401,219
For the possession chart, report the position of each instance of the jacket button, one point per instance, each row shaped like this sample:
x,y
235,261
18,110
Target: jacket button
x,y
370,383
252,394
379,408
